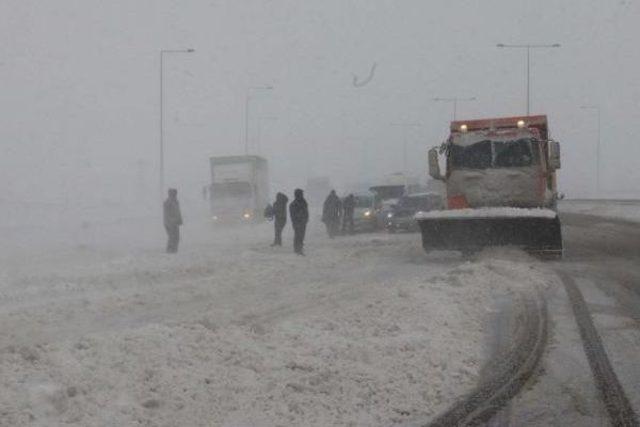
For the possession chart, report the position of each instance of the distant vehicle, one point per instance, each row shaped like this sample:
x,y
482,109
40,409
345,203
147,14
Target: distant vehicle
x,y
389,191
364,218
401,216
239,189
501,187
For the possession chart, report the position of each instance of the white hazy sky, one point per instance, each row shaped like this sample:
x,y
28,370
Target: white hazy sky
x,y
79,99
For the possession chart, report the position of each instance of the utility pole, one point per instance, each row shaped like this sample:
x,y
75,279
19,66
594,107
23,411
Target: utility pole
x,y
528,48
247,101
454,100
162,53
596,108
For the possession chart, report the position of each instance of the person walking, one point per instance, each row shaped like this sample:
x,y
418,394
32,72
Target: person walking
x,y
172,220
331,213
279,210
348,207
299,213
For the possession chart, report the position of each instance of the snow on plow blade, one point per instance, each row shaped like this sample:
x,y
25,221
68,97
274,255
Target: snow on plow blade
x,y
534,230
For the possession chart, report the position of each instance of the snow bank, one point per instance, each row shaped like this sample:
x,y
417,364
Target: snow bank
x,y
487,213
364,331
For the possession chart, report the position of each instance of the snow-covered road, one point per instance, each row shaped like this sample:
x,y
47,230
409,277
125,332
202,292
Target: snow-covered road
x,y
365,330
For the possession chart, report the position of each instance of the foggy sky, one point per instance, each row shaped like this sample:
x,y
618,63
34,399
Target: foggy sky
x,y
79,105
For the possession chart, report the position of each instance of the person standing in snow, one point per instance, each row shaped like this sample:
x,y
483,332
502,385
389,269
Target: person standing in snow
x,y
331,213
348,207
172,220
279,210
299,213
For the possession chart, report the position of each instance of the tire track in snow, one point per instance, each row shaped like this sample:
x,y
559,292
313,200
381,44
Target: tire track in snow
x,y
517,367
620,411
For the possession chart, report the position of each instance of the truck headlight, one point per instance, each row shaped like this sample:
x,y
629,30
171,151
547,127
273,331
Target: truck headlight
x,y
389,215
367,214
246,215
215,217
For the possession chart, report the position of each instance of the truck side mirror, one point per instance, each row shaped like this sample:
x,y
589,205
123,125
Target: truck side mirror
x,y
554,155
434,165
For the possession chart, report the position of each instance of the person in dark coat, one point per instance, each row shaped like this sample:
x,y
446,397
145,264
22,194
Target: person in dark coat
x,y
348,207
280,217
299,213
172,220
331,211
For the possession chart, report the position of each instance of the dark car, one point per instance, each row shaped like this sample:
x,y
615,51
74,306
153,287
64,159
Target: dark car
x,y
401,214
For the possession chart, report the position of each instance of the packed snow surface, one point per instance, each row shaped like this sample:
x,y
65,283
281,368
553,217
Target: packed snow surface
x,y
628,210
500,212
365,330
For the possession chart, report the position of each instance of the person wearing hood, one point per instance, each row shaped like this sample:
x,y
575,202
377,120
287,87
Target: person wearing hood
x,y
331,211
299,213
279,210
172,220
348,208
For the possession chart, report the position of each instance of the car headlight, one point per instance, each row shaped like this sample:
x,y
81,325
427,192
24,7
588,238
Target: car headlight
x,y
389,215
215,217
367,214
246,215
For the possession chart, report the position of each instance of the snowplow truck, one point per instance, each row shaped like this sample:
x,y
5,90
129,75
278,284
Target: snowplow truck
x,y
500,185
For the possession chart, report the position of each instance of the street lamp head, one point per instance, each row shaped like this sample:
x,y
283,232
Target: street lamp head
x,y
500,45
191,50
555,45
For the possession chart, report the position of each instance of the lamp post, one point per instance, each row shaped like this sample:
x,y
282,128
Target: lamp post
x,y
596,108
259,139
528,47
404,127
454,101
162,53
246,113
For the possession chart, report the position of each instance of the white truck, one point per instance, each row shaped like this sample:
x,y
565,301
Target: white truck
x,y
239,189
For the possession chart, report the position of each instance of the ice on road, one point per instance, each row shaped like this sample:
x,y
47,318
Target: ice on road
x,y
365,330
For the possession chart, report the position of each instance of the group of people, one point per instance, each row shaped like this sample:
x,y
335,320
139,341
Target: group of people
x,y
337,213
299,214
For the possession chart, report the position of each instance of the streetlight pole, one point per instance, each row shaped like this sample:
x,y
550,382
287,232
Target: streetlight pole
x,y
259,139
596,108
162,53
454,100
528,47
404,127
246,114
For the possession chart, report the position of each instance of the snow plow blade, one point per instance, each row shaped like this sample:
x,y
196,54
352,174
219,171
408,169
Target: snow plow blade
x,y
536,231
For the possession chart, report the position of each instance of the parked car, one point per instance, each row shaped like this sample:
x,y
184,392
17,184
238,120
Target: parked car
x,y
400,217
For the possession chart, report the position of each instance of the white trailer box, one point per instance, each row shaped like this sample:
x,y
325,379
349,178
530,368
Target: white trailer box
x,y
239,189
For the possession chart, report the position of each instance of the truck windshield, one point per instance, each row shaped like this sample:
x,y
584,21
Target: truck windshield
x,y
495,154
514,153
476,156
